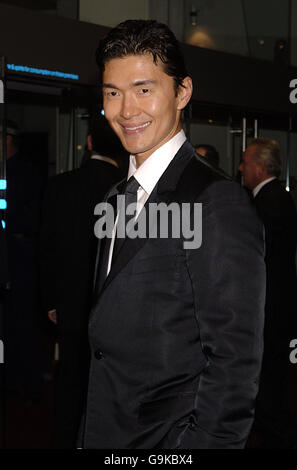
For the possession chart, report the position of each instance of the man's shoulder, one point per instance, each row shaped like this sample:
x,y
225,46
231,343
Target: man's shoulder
x,y
62,181
201,180
99,171
275,200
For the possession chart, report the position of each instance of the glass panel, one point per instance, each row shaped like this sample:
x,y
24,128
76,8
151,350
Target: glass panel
x,y
65,141
82,117
37,125
216,135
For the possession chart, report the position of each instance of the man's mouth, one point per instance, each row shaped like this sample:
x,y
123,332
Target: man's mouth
x,y
135,129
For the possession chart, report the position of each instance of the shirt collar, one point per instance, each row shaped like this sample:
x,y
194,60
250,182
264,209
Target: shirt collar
x,y
260,185
149,173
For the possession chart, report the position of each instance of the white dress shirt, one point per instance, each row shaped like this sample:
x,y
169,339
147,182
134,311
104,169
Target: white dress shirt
x,y
260,185
148,175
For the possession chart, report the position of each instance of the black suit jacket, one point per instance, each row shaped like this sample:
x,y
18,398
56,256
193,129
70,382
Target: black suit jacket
x,y
68,243
176,334
68,253
277,210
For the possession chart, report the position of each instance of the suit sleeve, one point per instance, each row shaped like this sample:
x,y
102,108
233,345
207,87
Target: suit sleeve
x,y
228,281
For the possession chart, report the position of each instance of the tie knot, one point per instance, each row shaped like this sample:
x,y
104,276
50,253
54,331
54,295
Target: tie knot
x,y
132,186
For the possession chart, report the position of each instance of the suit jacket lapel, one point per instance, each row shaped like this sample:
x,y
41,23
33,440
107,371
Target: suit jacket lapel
x,y
163,192
104,244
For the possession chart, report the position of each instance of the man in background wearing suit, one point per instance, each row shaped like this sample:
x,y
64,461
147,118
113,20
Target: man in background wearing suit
x,y
175,332
68,253
22,326
261,167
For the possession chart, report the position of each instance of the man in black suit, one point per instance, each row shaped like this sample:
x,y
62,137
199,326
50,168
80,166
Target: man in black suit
x,y
175,329
68,253
261,167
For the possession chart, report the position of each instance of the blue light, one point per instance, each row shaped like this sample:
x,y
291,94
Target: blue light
x,y
102,112
3,184
3,224
3,204
45,72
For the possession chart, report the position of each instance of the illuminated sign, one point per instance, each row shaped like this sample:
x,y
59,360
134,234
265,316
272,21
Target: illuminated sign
x,y
3,184
44,72
3,204
3,224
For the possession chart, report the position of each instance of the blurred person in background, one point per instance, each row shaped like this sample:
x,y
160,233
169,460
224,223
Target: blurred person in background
x,y
22,326
68,253
261,167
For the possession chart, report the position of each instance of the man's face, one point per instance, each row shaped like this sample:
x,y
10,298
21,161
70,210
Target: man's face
x,y
140,103
251,168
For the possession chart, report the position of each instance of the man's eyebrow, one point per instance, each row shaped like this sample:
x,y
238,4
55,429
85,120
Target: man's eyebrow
x,y
143,82
109,85
133,84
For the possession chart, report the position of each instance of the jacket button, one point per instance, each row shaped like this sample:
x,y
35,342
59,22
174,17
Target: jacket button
x,y
98,354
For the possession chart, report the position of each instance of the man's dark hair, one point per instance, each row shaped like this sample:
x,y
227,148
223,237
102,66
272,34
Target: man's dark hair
x,y
211,153
139,37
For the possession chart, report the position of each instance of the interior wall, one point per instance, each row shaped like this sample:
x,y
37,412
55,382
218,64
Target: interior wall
x,y
220,25
112,12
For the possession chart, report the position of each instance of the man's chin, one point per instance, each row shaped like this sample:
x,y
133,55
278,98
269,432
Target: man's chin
x,y
134,150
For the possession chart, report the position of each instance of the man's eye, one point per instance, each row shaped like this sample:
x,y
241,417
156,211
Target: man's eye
x,y
112,93
144,91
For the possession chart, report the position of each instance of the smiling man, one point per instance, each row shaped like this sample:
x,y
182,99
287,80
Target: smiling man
x,y
175,333
141,103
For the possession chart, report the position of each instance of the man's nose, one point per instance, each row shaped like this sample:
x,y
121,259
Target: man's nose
x,y
130,107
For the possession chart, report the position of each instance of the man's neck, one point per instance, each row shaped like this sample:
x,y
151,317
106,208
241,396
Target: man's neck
x,y
140,158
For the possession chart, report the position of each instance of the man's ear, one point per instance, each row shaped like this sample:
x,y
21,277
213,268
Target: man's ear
x,y
185,93
90,143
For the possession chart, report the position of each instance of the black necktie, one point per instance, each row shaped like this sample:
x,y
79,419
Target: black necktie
x,y
130,194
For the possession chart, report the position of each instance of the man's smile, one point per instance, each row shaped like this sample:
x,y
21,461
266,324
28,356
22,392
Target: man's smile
x,y
135,128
